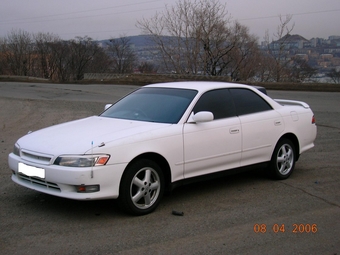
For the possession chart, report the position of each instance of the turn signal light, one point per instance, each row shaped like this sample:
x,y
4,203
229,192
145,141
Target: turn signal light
x,y
102,160
88,188
313,120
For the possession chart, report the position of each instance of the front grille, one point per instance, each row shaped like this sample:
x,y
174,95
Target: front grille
x,y
40,182
36,157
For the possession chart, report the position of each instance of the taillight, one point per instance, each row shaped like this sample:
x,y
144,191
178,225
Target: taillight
x,y
313,119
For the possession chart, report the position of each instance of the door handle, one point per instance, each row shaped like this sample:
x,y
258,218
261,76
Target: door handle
x,y
234,131
277,122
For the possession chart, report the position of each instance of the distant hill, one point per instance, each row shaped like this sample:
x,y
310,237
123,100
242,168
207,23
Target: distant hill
x,y
137,40
292,38
141,40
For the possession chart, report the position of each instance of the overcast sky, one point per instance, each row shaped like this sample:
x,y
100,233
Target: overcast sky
x,y
104,19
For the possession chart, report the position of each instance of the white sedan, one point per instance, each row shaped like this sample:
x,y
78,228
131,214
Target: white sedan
x,y
162,135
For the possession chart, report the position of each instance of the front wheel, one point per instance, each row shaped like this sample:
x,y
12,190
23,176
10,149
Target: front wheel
x,y
141,188
283,160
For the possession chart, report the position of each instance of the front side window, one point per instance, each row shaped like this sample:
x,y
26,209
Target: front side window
x,y
218,101
247,101
162,105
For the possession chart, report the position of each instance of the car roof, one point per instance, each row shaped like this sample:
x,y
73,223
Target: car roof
x,y
201,86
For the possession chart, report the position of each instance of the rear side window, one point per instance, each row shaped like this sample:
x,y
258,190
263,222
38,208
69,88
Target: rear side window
x,y
218,101
247,102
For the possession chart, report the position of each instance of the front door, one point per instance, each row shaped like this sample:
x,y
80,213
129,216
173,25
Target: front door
x,y
215,145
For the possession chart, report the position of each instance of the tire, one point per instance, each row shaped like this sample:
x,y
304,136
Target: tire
x,y
141,188
283,160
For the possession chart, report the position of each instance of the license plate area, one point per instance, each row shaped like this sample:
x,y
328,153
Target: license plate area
x,y
31,171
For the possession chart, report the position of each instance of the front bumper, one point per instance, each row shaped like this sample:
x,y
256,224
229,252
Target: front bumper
x,y
62,181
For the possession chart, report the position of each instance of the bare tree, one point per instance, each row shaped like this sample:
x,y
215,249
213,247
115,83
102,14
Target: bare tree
x,y
300,70
17,51
100,62
172,31
3,63
278,48
266,67
242,61
61,60
44,66
47,56
334,75
198,36
122,55
146,67
187,35
82,50
69,60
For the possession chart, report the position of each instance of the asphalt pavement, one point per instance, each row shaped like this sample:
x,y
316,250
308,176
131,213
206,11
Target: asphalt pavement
x,y
241,214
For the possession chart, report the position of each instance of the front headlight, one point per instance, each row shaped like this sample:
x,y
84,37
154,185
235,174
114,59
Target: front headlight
x,y
82,161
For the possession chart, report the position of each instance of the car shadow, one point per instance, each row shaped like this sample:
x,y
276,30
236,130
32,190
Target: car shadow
x,y
77,210
234,181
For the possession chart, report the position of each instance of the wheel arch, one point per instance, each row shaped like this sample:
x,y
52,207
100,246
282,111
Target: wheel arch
x,y
293,138
160,160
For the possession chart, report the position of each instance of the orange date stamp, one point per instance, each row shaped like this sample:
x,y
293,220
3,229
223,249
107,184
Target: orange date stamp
x,y
282,228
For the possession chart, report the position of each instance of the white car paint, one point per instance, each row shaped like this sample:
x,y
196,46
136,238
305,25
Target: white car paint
x,y
212,146
260,132
190,149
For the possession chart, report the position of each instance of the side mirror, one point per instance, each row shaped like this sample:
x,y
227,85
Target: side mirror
x,y
201,117
107,106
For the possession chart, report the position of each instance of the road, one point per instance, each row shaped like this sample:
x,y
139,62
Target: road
x,y
240,214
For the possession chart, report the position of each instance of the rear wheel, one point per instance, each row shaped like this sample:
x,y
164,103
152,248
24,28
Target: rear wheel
x,y
142,187
283,160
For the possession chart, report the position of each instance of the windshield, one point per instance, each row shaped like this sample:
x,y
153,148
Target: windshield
x,y
163,105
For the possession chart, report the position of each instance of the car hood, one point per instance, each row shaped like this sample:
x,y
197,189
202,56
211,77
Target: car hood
x,y
80,136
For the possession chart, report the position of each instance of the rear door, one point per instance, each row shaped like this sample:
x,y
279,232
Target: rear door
x,y
261,126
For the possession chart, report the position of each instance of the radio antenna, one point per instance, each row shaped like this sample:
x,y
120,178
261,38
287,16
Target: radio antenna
x,y
92,159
